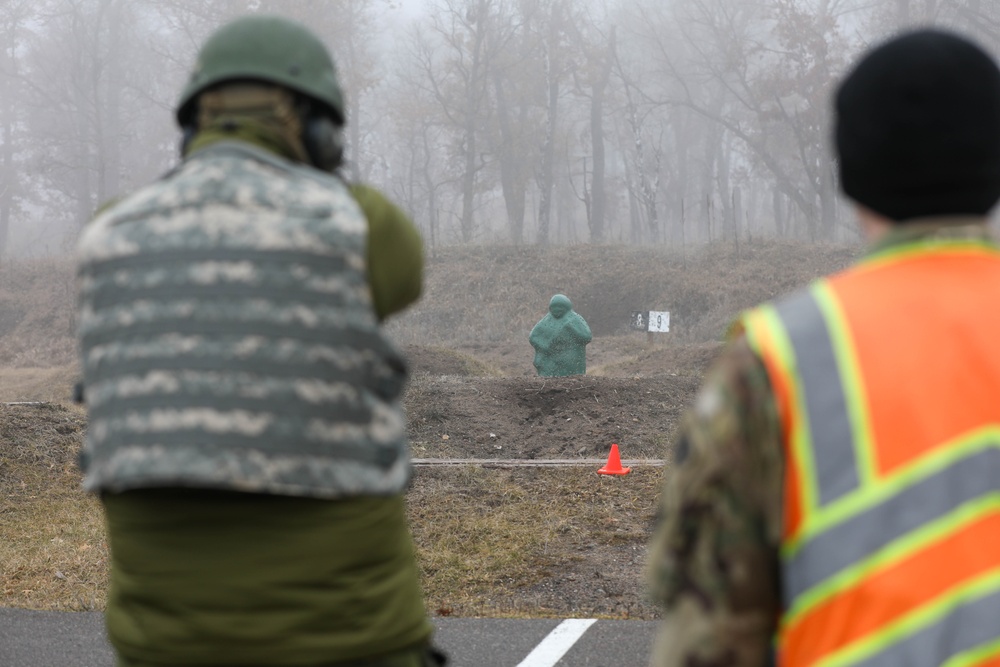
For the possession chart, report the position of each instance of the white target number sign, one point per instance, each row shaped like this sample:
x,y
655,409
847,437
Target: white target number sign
x,y
650,320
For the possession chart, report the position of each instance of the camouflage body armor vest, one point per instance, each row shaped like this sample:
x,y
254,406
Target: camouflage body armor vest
x,y
229,340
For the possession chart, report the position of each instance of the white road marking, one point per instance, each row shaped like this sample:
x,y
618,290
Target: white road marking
x,y
557,643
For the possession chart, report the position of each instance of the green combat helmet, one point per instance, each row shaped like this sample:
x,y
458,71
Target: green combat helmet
x,y
265,48
560,340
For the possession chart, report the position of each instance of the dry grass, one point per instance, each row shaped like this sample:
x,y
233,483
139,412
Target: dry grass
x,y
448,362
533,541
53,553
492,295
54,385
37,313
496,294
491,542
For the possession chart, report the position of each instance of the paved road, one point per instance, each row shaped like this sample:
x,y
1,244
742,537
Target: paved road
x,y
62,639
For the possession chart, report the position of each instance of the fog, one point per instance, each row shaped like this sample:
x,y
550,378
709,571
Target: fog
x,y
671,122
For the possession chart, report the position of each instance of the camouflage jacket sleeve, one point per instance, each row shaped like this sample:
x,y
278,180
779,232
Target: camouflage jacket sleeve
x,y
713,563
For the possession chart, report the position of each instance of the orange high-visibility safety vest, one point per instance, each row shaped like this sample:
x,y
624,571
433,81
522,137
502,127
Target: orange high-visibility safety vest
x,y
887,379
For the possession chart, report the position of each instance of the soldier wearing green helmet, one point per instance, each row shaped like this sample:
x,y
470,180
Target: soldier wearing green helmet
x,y
246,435
266,48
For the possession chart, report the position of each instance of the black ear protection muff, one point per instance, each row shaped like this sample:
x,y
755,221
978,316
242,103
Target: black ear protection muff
x,y
186,117
323,141
188,133
322,136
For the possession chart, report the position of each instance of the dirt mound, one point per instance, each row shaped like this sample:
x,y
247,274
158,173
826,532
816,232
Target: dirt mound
x,y
544,418
40,443
692,360
429,360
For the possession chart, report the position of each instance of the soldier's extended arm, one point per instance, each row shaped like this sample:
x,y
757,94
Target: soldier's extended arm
x,y
395,252
714,559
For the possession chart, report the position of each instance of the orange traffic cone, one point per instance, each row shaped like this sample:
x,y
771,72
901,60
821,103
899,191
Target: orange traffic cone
x,y
614,464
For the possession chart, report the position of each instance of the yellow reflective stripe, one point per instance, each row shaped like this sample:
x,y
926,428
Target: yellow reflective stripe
x,y
975,656
891,555
928,246
767,336
855,393
957,483
940,457
920,469
913,622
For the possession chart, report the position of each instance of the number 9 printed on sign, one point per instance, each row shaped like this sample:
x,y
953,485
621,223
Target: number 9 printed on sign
x,y
659,321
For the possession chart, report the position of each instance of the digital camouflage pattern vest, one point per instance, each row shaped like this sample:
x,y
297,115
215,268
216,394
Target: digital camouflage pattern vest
x,y
228,338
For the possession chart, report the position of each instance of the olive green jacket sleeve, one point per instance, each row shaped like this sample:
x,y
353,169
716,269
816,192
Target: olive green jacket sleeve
x,y
395,252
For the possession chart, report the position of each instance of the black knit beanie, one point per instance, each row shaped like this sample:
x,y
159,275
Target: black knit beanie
x,y
918,128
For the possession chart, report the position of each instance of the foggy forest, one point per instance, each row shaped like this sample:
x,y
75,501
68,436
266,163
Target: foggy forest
x,y
667,122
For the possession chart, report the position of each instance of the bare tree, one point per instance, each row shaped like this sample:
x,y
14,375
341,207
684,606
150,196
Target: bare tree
x,y
14,17
644,161
975,17
772,72
598,50
511,136
77,83
414,160
555,66
454,60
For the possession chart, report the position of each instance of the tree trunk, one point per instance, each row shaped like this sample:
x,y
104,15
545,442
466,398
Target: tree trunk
x,y
546,178
7,178
598,187
679,186
473,94
110,159
725,191
638,181
511,182
683,234
779,213
737,208
708,180
828,203
432,211
8,181
354,131
468,182
634,216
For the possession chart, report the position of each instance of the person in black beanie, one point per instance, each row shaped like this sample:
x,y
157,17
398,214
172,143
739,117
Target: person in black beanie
x,y
833,498
918,128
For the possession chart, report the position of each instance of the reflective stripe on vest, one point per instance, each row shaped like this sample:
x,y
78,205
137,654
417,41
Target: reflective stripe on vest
x,y
891,548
